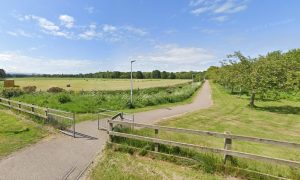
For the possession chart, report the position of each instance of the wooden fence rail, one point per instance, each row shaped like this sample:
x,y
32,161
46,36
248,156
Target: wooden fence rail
x,y
41,112
227,140
210,133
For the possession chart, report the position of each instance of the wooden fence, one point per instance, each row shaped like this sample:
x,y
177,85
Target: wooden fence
x,y
228,139
47,114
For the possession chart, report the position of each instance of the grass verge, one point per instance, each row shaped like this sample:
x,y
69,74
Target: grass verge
x,y
16,132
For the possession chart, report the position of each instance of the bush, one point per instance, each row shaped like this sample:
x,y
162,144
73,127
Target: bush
x,y
12,92
29,89
64,99
55,90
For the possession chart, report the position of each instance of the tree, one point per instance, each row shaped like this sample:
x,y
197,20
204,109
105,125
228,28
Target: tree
x,y
172,75
164,75
156,74
139,75
2,74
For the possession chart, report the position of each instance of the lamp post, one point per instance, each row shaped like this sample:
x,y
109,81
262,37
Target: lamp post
x,y
131,83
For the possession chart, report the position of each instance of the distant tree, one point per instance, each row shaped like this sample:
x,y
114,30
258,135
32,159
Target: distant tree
x,y
172,75
2,74
164,75
139,75
156,74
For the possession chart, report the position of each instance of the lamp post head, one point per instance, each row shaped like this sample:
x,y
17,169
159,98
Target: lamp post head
x,y
132,61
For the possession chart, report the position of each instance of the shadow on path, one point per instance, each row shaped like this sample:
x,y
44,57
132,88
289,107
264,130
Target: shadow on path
x,y
78,134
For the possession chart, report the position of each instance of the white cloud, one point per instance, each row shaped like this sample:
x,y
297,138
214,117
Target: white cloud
x,y
213,7
67,21
173,58
44,23
19,32
66,29
19,63
135,30
109,28
90,33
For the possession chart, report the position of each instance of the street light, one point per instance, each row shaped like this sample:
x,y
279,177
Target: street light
x,y
131,84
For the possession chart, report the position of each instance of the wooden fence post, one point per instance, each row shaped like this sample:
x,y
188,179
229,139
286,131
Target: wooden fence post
x,y
32,109
9,104
19,106
110,128
227,146
156,144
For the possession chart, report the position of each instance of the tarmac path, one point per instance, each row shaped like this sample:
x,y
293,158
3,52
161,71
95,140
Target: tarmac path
x,y
63,157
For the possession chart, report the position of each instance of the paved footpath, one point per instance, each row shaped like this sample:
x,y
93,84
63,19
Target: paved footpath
x,y
64,157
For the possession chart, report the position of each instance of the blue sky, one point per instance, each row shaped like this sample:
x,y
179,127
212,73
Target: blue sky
x,y
67,36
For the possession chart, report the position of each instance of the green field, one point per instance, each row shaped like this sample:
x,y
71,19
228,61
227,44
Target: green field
x,y
90,84
17,132
90,102
278,120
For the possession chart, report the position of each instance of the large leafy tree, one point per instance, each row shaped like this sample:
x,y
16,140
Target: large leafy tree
x,y
276,72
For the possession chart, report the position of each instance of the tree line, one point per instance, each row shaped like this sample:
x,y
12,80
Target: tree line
x,y
156,74
274,73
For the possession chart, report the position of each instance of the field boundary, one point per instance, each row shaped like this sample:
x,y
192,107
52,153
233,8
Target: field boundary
x,y
228,139
47,114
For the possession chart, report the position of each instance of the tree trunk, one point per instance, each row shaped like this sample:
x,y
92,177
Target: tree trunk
x,y
252,98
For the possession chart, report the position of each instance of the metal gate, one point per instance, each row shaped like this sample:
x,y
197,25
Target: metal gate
x,y
105,114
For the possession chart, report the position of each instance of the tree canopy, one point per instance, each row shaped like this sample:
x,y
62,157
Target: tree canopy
x,y
275,72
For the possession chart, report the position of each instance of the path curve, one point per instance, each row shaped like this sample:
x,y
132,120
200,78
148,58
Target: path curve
x,y
64,157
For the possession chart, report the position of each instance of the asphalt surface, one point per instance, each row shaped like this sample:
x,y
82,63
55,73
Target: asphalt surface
x,y
64,157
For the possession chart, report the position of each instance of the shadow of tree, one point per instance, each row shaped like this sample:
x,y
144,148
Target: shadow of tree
x,y
281,109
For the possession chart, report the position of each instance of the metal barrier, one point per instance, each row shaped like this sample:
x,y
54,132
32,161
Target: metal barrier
x,y
107,114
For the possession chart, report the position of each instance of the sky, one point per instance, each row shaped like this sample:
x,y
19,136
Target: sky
x,y
73,36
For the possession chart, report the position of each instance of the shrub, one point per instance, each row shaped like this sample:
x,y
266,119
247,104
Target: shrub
x,y
64,98
55,90
12,92
29,89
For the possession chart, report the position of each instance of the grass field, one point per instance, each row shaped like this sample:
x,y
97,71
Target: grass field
x,y
16,132
90,102
271,119
89,84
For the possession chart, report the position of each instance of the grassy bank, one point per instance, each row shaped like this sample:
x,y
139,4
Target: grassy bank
x,y
17,132
91,101
271,119
119,166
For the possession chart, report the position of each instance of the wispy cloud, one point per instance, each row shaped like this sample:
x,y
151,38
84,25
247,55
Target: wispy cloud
x,y
19,32
218,10
174,57
15,62
64,27
66,20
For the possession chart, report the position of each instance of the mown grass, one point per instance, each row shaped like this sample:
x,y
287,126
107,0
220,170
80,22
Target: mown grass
x,y
94,84
16,132
91,101
120,166
271,119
